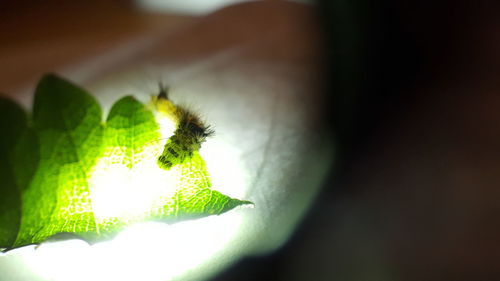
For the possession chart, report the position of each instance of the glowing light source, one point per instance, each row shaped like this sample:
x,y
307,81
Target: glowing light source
x,y
119,191
146,251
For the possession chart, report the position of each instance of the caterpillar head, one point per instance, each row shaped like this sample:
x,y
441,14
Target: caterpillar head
x,y
192,126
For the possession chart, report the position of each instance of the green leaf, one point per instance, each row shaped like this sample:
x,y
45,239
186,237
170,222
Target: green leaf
x,y
12,126
67,121
194,197
75,174
129,129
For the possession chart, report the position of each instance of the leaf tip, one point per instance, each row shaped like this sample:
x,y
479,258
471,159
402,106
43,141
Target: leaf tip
x,y
49,77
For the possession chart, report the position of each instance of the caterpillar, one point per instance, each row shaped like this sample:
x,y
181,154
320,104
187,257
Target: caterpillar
x,y
188,136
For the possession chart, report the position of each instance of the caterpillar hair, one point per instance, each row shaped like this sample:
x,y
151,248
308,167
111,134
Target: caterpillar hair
x,y
188,136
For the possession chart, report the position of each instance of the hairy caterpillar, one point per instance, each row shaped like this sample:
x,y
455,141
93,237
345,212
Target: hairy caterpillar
x,y
188,136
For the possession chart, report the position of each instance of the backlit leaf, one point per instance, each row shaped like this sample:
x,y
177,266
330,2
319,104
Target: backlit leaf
x,y
65,170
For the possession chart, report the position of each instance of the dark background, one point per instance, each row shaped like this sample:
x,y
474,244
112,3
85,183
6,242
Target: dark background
x,y
37,36
414,91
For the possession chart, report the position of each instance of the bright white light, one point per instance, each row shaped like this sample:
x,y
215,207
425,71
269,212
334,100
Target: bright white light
x,y
224,167
59,260
194,7
147,251
118,191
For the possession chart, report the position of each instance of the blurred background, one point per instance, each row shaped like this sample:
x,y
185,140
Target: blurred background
x,y
41,36
414,95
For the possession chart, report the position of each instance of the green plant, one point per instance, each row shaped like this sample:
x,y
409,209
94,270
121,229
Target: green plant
x,y
64,170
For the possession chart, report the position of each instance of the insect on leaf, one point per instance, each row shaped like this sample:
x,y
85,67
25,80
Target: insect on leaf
x,y
64,170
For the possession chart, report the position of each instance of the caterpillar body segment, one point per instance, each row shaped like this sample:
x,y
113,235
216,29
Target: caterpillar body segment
x,y
188,136
164,106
